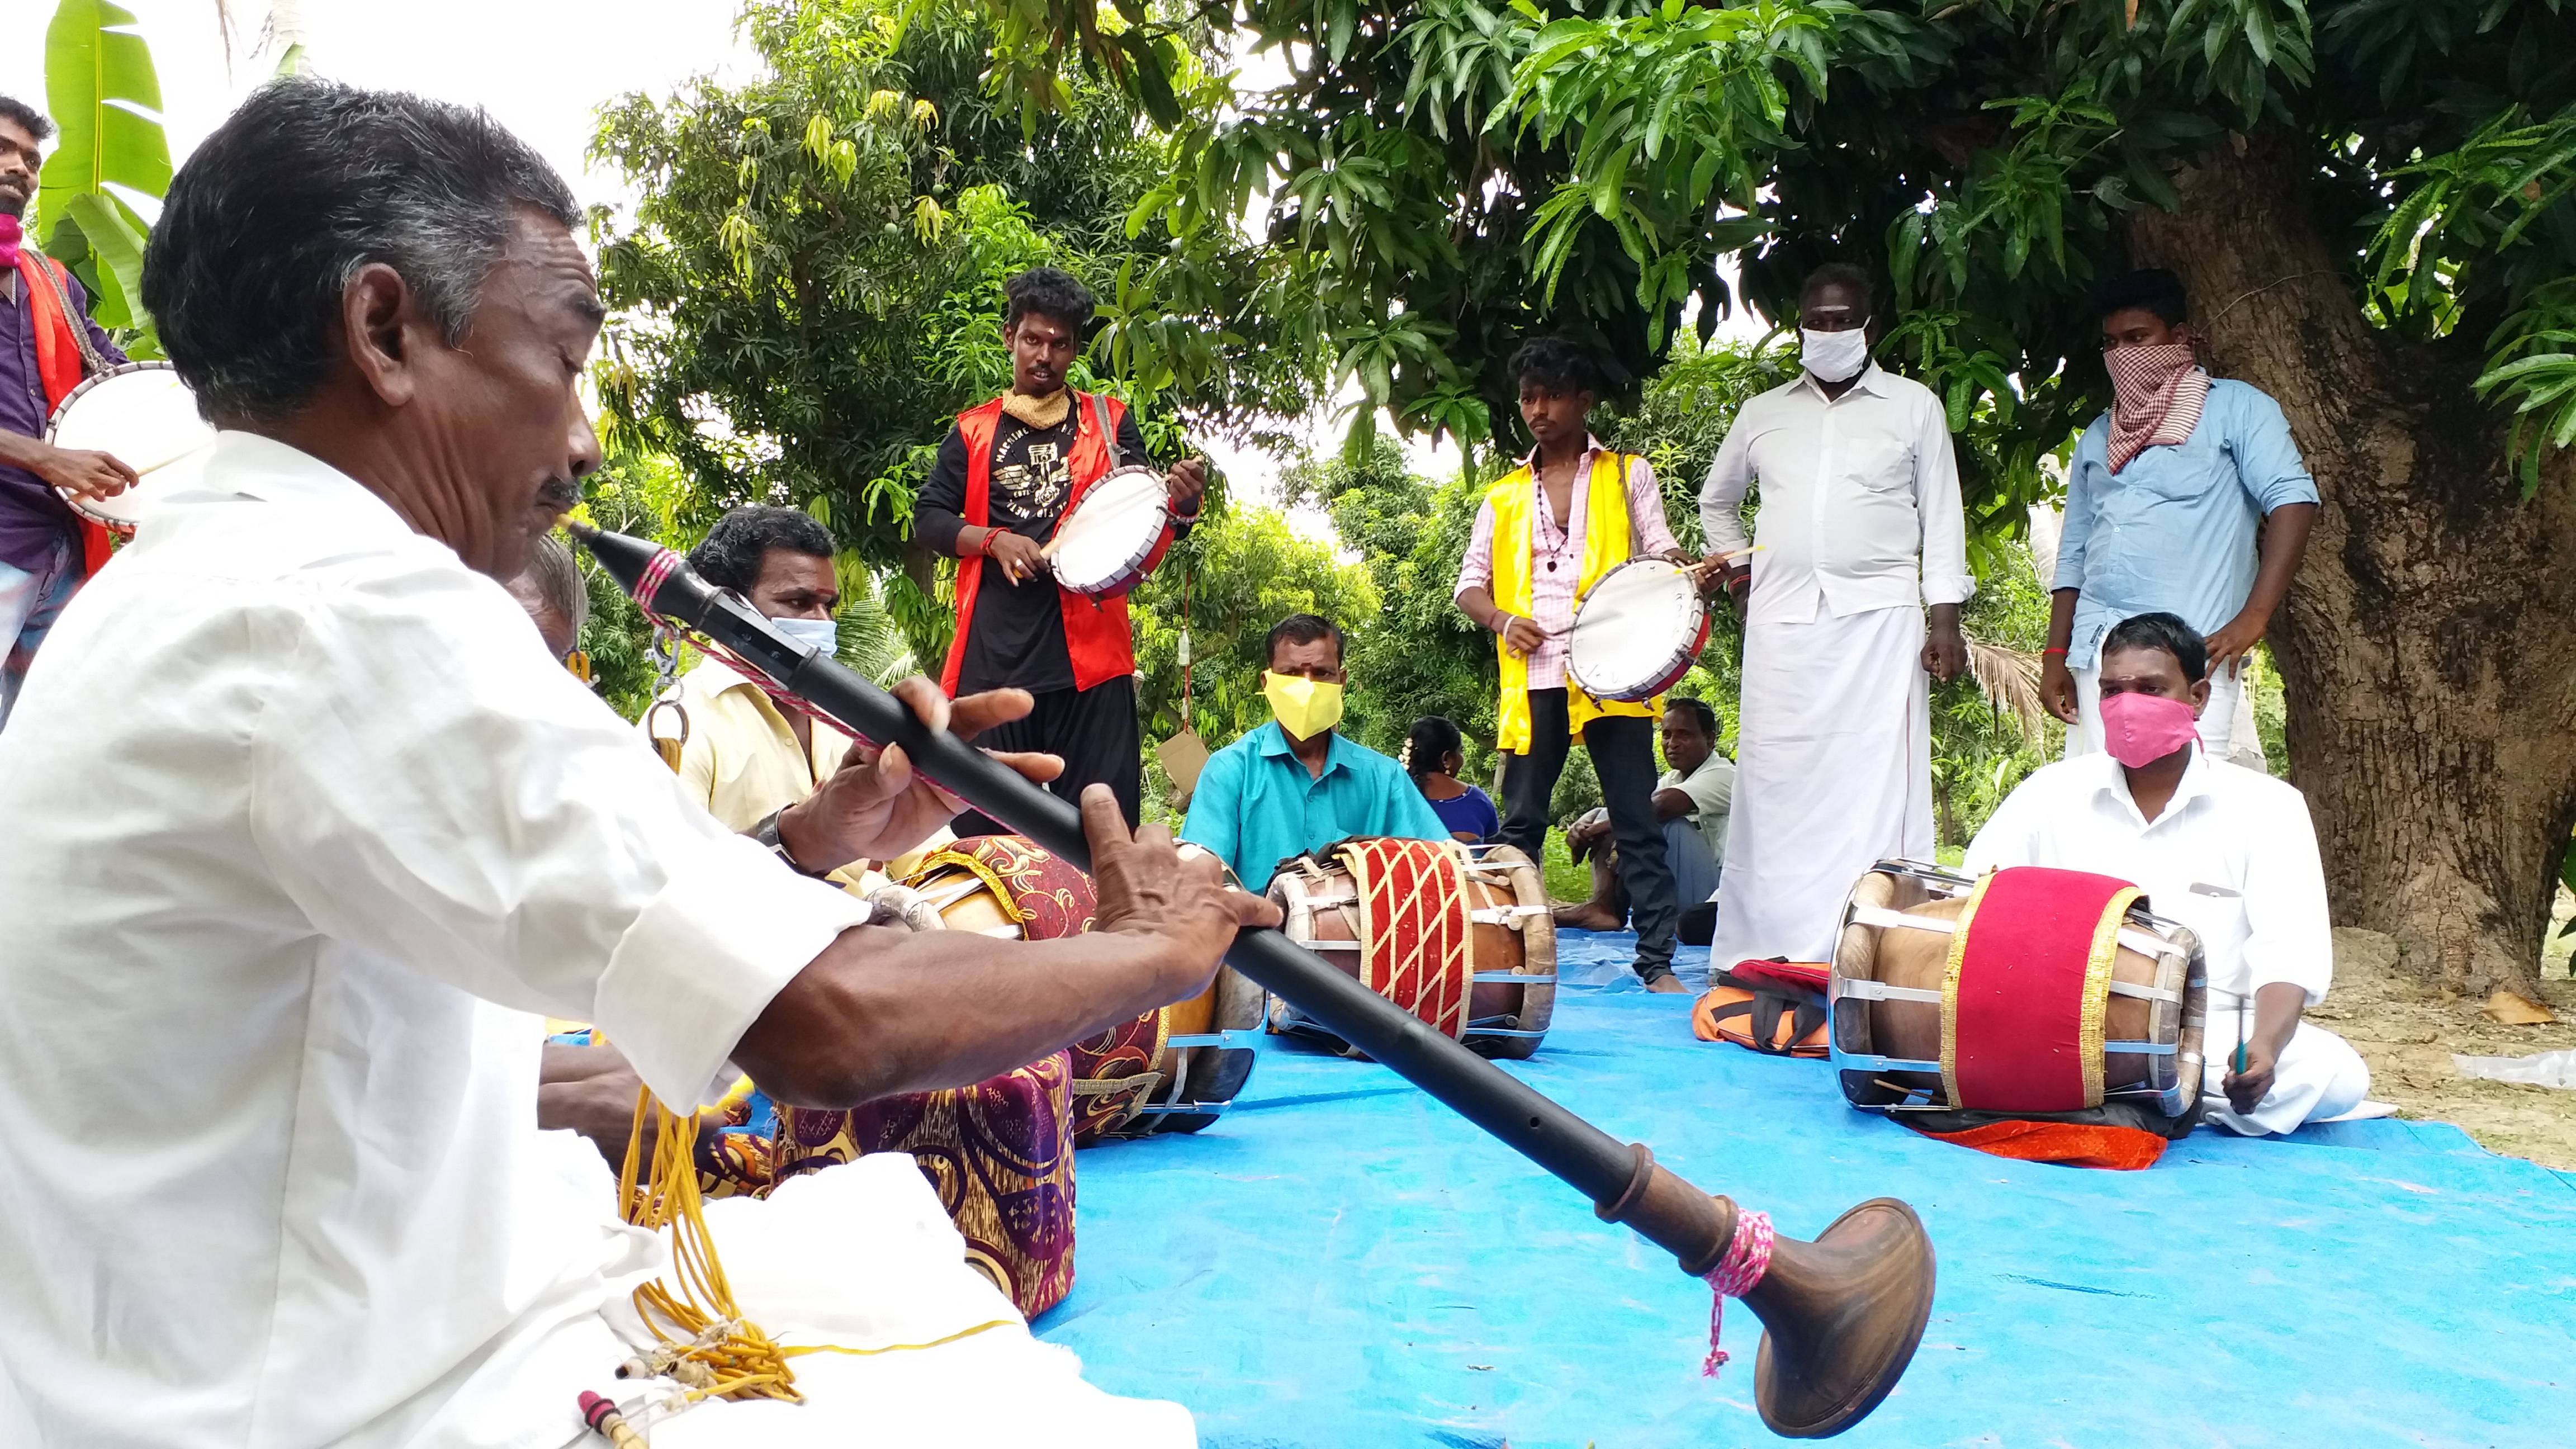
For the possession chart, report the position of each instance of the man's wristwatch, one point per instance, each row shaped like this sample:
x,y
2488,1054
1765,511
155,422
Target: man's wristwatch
x,y
766,832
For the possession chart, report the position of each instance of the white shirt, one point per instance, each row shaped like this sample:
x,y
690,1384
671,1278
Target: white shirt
x,y
1711,789
1860,499
305,832
2234,857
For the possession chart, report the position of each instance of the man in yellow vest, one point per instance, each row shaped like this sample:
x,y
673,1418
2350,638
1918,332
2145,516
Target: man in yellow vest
x,y
1547,532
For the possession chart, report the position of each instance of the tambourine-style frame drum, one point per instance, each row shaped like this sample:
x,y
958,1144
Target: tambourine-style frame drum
x,y
1462,936
1637,631
2032,991
1102,542
144,416
1173,1069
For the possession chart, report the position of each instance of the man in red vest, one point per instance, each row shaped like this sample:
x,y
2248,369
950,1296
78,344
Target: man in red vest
x,y
47,345
1009,470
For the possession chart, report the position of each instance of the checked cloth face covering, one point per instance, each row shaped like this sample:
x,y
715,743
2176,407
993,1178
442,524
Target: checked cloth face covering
x,y
2156,395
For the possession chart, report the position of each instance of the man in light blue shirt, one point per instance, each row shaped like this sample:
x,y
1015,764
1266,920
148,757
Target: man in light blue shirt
x,y
2164,500
1296,784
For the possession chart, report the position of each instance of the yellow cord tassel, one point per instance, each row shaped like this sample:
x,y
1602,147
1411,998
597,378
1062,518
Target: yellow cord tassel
x,y
707,1344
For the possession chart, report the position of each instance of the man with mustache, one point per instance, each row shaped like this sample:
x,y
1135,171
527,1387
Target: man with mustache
x,y
305,837
48,344
1004,479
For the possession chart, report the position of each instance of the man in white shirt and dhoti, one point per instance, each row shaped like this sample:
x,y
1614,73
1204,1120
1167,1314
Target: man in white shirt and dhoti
x,y
2228,851
1859,529
305,833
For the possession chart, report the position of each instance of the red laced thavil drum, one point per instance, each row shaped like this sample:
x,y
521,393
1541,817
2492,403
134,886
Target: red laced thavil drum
x,y
144,416
2032,991
1461,936
1172,1069
1637,631
1102,542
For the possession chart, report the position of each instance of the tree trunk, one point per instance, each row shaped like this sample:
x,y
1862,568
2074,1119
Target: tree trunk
x,y
2425,647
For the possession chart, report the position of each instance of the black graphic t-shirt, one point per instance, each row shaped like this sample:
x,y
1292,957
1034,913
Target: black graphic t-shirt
x,y
1018,636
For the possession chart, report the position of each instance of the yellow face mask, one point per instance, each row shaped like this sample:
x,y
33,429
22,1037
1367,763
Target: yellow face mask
x,y
1304,707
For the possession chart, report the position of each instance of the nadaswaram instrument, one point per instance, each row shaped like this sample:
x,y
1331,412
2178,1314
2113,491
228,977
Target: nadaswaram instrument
x,y
1841,1314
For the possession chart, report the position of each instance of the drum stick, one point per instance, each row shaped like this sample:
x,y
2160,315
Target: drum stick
x,y
1842,1314
189,451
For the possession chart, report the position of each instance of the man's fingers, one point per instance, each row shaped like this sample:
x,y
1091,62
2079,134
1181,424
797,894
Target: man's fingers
x,y
119,466
1031,764
1252,910
973,714
1102,823
924,699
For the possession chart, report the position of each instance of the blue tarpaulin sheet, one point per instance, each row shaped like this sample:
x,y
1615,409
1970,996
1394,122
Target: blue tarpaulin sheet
x,y
1342,1261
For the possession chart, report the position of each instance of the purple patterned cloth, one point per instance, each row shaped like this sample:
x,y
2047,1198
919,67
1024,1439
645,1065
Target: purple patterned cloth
x,y
32,515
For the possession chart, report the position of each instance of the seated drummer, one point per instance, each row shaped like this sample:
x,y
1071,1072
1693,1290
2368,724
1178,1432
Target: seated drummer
x,y
2222,849
1296,784
1691,801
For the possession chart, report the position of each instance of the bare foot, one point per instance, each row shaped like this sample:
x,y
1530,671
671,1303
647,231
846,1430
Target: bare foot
x,y
1588,917
1668,985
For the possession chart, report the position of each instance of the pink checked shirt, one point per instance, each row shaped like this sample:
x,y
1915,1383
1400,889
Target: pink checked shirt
x,y
1552,591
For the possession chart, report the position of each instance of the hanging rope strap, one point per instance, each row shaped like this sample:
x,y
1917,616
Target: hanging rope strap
x,y
1748,1257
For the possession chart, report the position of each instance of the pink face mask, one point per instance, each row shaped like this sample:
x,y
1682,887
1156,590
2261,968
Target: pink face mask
x,y
11,233
2140,729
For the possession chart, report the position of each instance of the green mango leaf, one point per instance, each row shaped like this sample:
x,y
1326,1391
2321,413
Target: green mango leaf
x,y
105,96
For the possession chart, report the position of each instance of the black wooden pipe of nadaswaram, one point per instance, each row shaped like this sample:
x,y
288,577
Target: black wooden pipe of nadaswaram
x,y
1841,1314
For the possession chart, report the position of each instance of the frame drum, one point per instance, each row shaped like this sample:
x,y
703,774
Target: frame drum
x,y
1893,969
1101,544
146,418
1637,631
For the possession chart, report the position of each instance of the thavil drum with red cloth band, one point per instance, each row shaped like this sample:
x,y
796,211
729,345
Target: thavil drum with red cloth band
x,y
1172,1069
1638,630
1460,936
2032,991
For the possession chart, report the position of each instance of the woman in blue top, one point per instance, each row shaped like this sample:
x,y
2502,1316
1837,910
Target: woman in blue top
x,y
1433,756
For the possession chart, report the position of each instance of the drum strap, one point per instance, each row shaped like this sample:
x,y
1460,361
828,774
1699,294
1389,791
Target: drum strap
x,y
1108,434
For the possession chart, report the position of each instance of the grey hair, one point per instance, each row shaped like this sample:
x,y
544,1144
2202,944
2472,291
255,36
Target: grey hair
x,y
307,183
559,581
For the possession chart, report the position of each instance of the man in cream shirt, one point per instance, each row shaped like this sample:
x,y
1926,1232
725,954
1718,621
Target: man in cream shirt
x,y
1860,528
305,833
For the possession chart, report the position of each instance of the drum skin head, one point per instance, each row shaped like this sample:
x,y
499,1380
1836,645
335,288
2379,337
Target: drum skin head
x,y
146,418
1102,544
1637,631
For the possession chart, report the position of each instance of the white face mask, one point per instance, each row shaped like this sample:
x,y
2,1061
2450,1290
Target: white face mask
x,y
1834,356
819,634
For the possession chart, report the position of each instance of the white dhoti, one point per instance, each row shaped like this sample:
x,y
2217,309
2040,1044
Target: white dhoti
x,y
1833,772
2318,1076
862,1256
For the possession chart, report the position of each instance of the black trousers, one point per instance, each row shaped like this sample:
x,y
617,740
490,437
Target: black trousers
x,y
1093,729
1623,755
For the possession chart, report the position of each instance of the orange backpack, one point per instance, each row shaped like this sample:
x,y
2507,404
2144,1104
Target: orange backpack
x,y
1774,1007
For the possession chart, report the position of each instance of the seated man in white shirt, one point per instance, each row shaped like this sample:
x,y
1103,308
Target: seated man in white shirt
x,y
2224,850
1691,800
304,836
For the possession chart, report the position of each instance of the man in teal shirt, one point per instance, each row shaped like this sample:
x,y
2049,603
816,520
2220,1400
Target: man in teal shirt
x,y
1296,784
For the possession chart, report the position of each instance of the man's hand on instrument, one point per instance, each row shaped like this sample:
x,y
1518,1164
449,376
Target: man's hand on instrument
x,y
2057,688
874,807
80,471
1019,556
1188,483
1521,634
1945,654
1172,896
2246,1089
